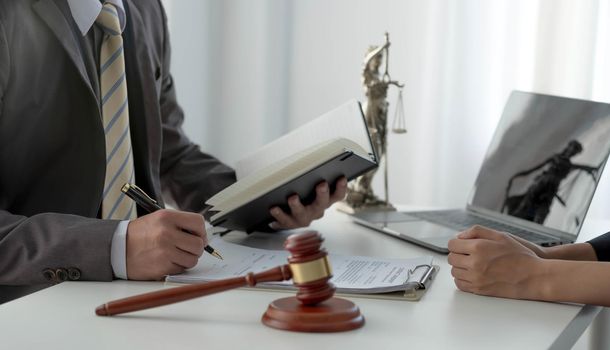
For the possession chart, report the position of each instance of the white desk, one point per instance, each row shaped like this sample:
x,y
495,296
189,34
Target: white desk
x,y
63,317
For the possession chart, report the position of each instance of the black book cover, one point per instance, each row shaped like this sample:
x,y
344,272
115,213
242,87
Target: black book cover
x,y
255,216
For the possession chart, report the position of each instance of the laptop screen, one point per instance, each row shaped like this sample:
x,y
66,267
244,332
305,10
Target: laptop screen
x,y
545,160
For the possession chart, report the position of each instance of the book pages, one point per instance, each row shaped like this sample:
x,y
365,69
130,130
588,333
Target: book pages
x,y
345,121
264,180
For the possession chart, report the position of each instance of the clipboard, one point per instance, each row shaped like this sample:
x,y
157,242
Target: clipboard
x,y
414,292
357,276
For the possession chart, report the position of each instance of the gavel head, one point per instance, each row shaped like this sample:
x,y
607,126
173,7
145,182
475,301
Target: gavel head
x,y
310,268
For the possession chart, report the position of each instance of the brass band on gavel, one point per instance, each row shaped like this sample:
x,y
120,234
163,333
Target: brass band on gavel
x,y
311,271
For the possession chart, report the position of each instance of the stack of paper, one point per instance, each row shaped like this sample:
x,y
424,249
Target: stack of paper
x,y
351,274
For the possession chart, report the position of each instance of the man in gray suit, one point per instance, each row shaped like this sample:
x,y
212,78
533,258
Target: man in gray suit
x,y
72,72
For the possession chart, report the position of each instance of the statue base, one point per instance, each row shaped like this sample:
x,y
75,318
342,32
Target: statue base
x,y
347,208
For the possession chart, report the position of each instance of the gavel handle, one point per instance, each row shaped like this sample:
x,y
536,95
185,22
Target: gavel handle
x,y
174,295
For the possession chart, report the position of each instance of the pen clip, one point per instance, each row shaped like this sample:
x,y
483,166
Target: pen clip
x,y
127,186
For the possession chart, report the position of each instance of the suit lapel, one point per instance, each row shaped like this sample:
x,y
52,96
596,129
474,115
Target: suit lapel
x,y
54,18
144,113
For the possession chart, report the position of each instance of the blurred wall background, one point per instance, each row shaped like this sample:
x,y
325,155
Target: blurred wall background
x,y
248,71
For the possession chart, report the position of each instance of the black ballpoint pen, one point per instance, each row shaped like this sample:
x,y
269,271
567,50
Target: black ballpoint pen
x,y
150,205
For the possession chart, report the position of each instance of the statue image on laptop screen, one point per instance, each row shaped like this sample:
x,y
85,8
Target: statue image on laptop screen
x,y
535,203
545,160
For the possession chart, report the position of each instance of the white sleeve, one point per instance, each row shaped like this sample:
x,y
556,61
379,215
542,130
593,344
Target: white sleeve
x,y
118,251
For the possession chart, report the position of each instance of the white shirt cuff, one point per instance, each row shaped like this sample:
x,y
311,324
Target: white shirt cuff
x,y
118,251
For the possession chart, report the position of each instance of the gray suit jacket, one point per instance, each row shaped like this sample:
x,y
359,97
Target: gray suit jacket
x,y
52,155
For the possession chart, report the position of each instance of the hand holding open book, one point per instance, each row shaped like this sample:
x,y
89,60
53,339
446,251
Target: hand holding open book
x,y
291,169
302,215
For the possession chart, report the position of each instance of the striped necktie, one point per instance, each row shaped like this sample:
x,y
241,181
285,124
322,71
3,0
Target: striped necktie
x,y
115,117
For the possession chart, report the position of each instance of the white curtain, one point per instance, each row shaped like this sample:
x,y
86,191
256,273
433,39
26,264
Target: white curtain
x,y
247,71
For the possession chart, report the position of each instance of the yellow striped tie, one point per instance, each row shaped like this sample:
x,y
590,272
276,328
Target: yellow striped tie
x,y
115,117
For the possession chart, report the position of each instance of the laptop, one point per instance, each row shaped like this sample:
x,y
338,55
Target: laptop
x,y
537,179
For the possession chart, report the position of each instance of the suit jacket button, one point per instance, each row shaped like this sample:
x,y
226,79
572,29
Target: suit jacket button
x,y
62,274
49,275
73,274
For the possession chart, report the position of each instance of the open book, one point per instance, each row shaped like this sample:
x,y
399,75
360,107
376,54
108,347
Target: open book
x,y
351,274
333,145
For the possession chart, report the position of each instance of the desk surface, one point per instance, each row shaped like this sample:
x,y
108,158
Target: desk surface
x,y
62,317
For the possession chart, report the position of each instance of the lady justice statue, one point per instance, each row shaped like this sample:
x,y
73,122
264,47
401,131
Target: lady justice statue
x,y
360,196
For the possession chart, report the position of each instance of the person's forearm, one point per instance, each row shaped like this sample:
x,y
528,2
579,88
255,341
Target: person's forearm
x,y
576,251
571,281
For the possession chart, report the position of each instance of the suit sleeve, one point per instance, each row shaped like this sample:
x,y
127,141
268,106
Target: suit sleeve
x,y
30,245
601,245
188,176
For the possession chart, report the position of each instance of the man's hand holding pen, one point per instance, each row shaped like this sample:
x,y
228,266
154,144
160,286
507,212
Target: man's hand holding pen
x,y
157,244
167,242
164,242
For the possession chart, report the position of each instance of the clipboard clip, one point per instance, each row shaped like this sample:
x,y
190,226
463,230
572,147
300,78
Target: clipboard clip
x,y
414,286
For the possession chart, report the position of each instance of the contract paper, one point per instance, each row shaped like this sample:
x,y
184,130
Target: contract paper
x,y
351,274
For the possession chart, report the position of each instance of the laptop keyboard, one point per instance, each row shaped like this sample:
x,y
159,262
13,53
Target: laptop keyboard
x,y
462,220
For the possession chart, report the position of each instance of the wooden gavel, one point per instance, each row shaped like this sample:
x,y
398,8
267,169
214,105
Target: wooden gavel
x,y
310,271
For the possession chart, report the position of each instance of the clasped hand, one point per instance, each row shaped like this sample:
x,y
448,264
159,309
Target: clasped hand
x,y
489,262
